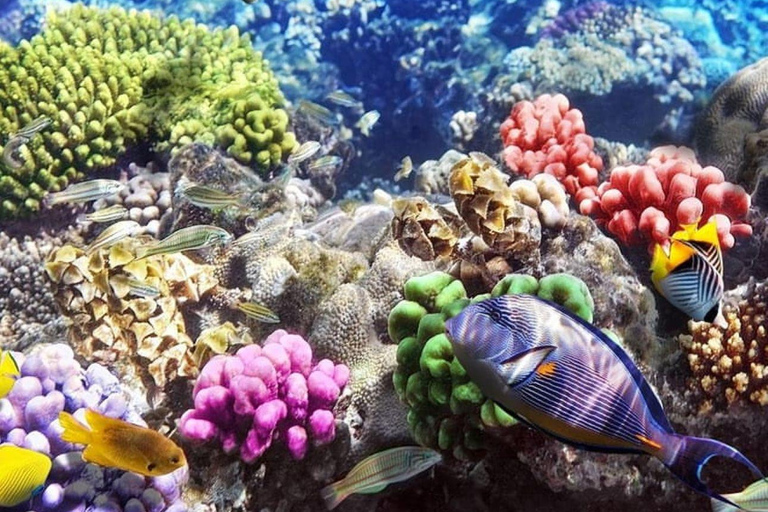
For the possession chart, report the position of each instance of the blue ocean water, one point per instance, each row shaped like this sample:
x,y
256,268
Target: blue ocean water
x,y
337,179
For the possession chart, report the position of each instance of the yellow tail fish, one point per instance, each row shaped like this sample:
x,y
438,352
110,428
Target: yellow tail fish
x,y
9,372
22,474
690,274
117,444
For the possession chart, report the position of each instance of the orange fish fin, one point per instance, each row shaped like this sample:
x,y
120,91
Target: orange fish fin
x,y
74,431
100,423
648,442
546,369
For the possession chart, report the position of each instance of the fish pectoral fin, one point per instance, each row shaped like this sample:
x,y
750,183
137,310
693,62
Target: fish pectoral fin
x,y
520,366
94,455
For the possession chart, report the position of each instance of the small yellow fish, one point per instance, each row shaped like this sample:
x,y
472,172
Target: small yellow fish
x,y
117,444
22,474
690,274
259,312
9,372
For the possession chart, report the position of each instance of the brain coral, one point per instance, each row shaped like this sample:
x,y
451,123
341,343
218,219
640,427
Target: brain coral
x,y
108,78
732,126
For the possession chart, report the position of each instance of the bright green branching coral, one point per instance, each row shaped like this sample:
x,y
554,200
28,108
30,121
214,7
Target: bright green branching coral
x,y
110,78
447,410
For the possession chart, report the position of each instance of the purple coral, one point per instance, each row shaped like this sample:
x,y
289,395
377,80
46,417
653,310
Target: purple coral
x,y
52,381
265,393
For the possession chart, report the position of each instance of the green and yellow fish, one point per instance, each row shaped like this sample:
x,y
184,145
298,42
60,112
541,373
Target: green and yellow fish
x,y
258,312
690,273
374,473
754,498
22,474
114,443
9,372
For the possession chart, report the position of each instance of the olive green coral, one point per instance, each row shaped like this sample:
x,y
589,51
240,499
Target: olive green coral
x,y
447,410
110,78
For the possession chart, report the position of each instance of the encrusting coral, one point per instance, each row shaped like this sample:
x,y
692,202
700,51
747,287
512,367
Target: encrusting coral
x,y
730,365
264,393
52,381
447,411
108,78
112,324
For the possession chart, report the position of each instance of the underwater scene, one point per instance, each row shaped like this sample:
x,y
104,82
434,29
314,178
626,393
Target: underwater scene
x,y
383,255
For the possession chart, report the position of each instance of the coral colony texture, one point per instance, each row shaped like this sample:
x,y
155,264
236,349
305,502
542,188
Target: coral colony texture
x,y
350,175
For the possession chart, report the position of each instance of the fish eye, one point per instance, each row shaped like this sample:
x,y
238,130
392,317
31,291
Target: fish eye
x,y
151,466
174,460
495,316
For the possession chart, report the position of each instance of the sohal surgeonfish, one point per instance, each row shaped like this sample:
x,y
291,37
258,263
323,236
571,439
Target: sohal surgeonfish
x,y
690,273
9,372
22,474
118,444
562,375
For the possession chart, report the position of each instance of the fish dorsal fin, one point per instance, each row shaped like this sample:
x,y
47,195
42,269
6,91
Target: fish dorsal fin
x,y
8,365
99,423
520,366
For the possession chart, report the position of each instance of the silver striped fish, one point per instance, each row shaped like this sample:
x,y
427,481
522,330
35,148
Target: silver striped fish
x,y
259,312
303,152
754,498
20,138
113,234
85,191
690,274
374,473
187,239
209,198
109,214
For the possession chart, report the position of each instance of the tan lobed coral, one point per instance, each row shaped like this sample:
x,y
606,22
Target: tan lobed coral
x,y
422,230
110,323
731,365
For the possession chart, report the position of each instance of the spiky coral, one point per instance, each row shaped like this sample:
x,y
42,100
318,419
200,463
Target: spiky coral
x,y
108,78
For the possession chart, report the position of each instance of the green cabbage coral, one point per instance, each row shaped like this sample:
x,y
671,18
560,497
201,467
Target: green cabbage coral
x,y
447,411
111,78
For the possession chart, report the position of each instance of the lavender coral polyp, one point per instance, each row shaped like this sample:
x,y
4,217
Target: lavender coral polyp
x,y
52,381
263,393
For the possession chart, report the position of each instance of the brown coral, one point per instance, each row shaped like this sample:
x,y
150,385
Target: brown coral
x,y
112,324
422,231
491,210
731,365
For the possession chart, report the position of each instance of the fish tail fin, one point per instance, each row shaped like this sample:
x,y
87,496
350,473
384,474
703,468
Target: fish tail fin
x,y
720,506
333,495
686,456
74,431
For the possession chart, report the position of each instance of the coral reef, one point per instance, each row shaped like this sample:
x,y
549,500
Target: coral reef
x,y
731,133
729,365
140,335
107,78
648,203
548,136
422,231
264,393
52,381
446,410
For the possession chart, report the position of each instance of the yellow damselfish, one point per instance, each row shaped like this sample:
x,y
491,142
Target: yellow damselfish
x,y
690,273
9,372
115,443
22,474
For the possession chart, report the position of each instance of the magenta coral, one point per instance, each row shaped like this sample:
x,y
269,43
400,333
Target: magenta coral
x,y
648,203
264,393
548,136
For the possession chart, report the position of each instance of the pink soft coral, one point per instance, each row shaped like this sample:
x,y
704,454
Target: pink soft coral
x,y
648,203
546,135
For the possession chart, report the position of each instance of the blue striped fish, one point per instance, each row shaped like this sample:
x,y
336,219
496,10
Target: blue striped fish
x,y
560,374
690,274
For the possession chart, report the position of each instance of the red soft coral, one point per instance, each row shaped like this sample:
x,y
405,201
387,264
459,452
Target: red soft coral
x,y
649,202
549,136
